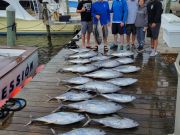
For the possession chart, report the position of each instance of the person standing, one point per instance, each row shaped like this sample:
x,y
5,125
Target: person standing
x,y
84,8
119,10
130,25
154,8
141,24
101,12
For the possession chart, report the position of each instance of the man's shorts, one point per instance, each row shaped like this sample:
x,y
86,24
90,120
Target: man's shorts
x,y
117,29
130,28
153,32
86,27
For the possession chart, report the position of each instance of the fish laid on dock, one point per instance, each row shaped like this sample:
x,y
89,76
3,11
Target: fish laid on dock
x,y
79,68
73,96
60,118
80,50
99,87
95,106
83,55
107,64
120,98
125,60
76,80
104,74
123,81
122,54
83,131
116,122
127,69
99,58
79,61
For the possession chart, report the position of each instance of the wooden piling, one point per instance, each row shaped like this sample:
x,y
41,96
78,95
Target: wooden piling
x,y
11,26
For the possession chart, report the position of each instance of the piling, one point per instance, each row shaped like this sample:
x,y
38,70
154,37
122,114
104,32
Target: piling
x,y
11,26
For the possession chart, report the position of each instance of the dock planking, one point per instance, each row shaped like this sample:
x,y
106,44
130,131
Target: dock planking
x,y
153,108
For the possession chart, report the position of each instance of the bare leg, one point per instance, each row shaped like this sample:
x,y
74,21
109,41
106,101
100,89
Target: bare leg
x,y
128,39
88,38
152,43
122,39
155,43
115,39
83,40
133,39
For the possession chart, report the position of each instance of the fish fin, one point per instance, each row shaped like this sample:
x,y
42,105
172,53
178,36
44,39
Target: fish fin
x,y
58,81
58,108
69,87
60,71
49,98
53,131
30,121
66,58
78,74
88,120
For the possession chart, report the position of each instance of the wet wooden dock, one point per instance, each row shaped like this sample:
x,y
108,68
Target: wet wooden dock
x,y
153,108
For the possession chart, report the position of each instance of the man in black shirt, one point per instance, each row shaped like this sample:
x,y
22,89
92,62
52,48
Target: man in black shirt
x,y
84,8
154,8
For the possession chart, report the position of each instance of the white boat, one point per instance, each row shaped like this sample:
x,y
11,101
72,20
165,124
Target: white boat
x,y
29,19
17,64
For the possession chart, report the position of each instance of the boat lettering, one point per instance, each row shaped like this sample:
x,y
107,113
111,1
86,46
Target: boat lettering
x,y
17,81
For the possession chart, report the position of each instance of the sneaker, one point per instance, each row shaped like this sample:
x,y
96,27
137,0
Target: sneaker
x,y
114,46
121,47
140,49
153,53
133,48
128,47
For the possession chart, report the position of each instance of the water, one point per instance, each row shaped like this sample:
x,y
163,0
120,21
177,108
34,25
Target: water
x,y
44,51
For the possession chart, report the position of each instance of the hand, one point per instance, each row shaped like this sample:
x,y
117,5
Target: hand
x,y
121,24
145,28
153,25
98,17
83,9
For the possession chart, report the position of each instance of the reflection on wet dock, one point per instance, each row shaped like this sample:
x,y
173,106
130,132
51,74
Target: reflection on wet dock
x,y
153,109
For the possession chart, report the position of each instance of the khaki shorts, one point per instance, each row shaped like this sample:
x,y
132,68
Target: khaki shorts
x,y
86,27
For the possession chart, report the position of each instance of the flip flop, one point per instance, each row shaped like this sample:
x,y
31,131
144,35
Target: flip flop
x,y
106,48
95,48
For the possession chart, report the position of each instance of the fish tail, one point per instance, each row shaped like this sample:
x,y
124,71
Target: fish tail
x,y
49,98
88,120
53,131
30,121
60,70
58,108
58,81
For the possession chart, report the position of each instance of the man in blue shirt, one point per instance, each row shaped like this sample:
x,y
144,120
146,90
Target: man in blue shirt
x,y
119,10
101,12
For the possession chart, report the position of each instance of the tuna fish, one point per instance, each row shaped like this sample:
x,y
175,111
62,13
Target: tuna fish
x,y
95,106
99,58
98,86
122,54
79,61
76,80
73,96
83,131
80,50
107,64
116,122
60,118
122,81
126,69
125,60
79,68
83,55
120,98
104,74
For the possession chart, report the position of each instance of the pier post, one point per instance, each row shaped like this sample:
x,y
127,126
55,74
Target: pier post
x,y
67,6
167,5
11,26
47,24
177,115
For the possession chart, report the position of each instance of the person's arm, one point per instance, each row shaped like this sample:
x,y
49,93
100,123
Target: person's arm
x,y
80,8
146,17
125,11
93,12
108,13
158,13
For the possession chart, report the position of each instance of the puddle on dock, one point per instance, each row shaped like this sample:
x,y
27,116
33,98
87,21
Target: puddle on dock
x,y
45,52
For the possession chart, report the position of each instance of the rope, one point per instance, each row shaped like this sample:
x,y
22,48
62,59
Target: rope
x,y
13,27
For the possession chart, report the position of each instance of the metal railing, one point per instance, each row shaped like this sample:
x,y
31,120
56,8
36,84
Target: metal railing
x,y
177,117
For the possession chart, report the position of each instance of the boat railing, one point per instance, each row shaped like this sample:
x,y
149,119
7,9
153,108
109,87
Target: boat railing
x,y
177,117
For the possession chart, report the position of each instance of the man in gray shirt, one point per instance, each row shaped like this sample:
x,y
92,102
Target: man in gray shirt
x,y
130,25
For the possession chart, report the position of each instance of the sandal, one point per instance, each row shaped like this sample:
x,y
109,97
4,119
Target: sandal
x,y
106,48
89,47
95,48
